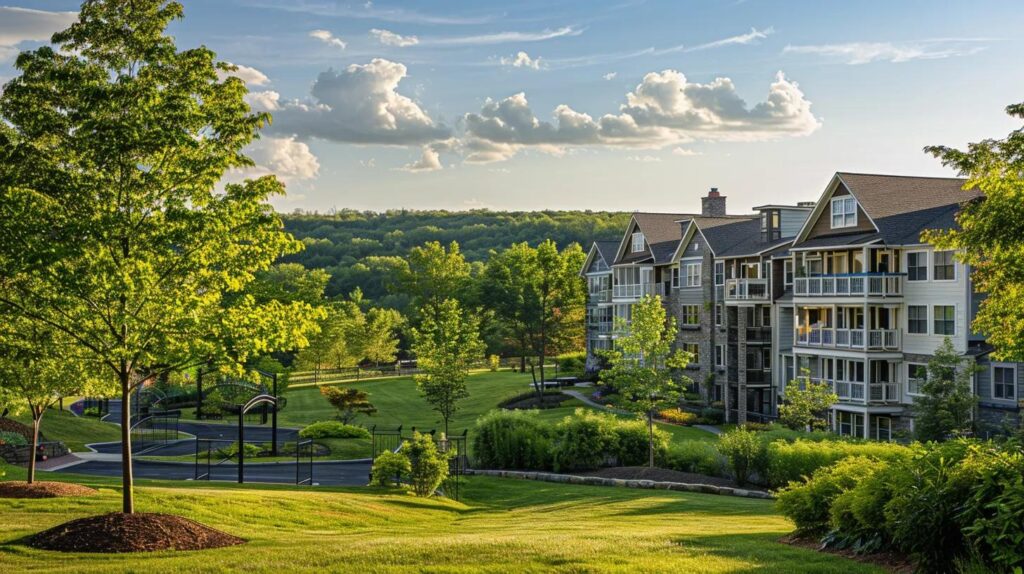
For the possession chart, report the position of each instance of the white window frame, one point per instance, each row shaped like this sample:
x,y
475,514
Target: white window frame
x,y
877,428
787,273
932,267
693,274
927,266
719,315
675,277
720,355
1013,384
637,242
927,320
686,314
909,378
719,273
844,212
933,321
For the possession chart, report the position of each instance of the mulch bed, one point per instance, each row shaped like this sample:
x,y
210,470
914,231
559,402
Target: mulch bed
x,y
662,475
889,561
550,401
141,532
43,489
11,425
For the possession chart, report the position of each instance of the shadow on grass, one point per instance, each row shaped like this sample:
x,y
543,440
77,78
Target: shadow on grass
x,y
763,553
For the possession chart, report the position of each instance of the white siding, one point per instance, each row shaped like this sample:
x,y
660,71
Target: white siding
x,y
931,293
792,220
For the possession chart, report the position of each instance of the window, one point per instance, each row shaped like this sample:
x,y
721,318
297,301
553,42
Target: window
x,y
943,266
675,277
851,424
694,350
917,319
917,374
844,212
719,312
693,274
719,355
720,273
638,242
917,266
813,267
691,315
883,428
945,320
787,267
1004,382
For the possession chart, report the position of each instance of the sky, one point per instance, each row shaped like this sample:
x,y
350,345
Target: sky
x,y
631,105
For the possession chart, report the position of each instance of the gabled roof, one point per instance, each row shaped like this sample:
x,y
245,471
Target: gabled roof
x,y
603,249
899,207
662,233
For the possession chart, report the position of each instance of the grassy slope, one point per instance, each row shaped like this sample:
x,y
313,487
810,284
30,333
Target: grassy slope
x,y
501,525
74,431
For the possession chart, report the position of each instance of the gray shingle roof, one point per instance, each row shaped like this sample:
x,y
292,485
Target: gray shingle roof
x,y
607,250
835,240
736,236
662,233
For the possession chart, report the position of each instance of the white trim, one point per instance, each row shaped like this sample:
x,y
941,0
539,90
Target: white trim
x,y
844,214
685,239
819,208
932,267
908,365
633,237
792,272
695,266
719,355
992,380
927,265
927,321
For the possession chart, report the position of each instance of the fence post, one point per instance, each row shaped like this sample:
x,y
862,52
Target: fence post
x,y
241,446
273,424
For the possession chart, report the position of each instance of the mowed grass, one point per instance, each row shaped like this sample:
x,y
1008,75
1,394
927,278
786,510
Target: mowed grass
x,y
75,432
501,525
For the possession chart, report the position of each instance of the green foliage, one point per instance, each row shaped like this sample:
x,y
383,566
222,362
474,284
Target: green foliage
x,y
677,416
349,401
231,451
697,456
91,412
347,336
585,441
634,441
809,503
389,468
792,461
572,363
515,440
992,516
989,236
428,466
745,452
446,344
947,403
333,429
711,416
493,363
807,404
12,439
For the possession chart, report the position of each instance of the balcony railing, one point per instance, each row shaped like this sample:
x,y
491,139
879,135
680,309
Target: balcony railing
x,y
633,290
876,339
599,326
602,296
854,391
850,285
747,290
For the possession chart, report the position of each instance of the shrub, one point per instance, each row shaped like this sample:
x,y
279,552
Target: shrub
x,y
711,416
12,439
857,515
992,517
678,416
333,429
251,450
91,412
428,466
744,451
493,363
572,363
809,503
632,438
512,440
389,468
791,461
697,456
758,427
584,441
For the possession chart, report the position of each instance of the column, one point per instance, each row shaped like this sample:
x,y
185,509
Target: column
x,y
741,360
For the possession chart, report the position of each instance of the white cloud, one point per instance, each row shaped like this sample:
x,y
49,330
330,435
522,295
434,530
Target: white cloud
x,y
610,75
430,160
328,38
504,37
522,60
285,157
389,38
664,109
370,163
855,53
360,104
742,39
683,152
644,158
19,25
251,76
266,101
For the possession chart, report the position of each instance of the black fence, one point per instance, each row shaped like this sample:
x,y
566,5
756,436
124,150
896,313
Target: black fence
x,y
392,439
101,405
213,455
219,459
304,462
154,430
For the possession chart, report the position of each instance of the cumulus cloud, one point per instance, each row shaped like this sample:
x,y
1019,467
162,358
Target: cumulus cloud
x,y
266,101
360,104
328,38
522,60
664,109
610,75
289,159
19,25
683,152
389,38
855,53
251,76
430,160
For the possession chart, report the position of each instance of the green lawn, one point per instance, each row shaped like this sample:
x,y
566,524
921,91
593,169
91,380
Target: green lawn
x,y
679,433
74,431
501,525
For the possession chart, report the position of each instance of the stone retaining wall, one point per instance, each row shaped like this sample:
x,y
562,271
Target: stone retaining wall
x,y
601,481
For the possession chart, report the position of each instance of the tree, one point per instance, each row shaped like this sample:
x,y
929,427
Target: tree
x,y
434,274
642,363
380,341
288,282
117,231
990,233
446,346
807,408
946,403
349,401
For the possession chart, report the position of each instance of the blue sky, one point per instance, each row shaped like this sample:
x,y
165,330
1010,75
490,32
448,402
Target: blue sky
x,y
628,105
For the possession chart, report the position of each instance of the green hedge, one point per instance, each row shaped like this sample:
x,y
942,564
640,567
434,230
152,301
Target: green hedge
x,y
333,429
512,440
790,461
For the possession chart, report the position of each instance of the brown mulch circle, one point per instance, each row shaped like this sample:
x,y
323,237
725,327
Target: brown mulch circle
x,y
662,475
43,489
889,561
140,532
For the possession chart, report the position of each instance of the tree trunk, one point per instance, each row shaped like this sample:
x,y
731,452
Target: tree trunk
x,y
37,419
650,438
127,480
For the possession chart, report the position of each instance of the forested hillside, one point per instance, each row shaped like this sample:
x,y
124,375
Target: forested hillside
x,y
360,249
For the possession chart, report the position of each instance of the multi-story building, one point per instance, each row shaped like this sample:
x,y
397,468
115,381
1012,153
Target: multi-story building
x,y
598,273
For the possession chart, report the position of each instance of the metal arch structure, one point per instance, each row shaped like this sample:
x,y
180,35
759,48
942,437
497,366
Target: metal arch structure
x,y
257,400
260,389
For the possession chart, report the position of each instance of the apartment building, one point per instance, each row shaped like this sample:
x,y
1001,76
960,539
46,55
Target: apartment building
x,y
842,289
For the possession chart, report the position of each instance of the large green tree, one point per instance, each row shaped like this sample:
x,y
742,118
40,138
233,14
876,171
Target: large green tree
x,y
117,230
434,274
643,367
946,404
990,233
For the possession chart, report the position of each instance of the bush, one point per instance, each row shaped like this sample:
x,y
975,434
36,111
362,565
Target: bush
x,y
389,468
792,461
512,440
711,416
697,456
91,412
584,441
12,439
744,451
251,450
428,466
493,363
857,515
758,427
333,429
571,363
678,416
633,438
809,503
993,514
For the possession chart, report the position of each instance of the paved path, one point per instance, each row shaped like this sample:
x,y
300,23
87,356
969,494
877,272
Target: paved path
x,y
590,402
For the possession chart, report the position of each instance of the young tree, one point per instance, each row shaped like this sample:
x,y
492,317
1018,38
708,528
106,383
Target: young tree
x,y
642,363
434,274
117,232
946,403
990,233
807,408
380,339
446,345
349,401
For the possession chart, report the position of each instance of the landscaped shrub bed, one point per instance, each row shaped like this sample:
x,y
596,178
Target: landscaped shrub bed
x,y
333,429
956,504
512,440
677,417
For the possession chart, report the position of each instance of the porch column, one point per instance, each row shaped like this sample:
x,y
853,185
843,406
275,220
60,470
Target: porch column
x,y
867,425
741,360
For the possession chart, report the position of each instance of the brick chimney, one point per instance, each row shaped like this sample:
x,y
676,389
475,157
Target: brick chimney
x,y
713,205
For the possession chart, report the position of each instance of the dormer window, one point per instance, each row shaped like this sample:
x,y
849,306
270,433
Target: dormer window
x,y
844,212
638,242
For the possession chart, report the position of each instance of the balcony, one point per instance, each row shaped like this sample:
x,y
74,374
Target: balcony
x,y
602,296
854,391
862,339
599,326
850,285
634,290
754,290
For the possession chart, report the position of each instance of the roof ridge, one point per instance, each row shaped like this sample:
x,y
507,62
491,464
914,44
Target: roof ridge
x,y
900,175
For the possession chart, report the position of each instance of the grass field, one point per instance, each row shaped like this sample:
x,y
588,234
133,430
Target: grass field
x,y
501,525
74,431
